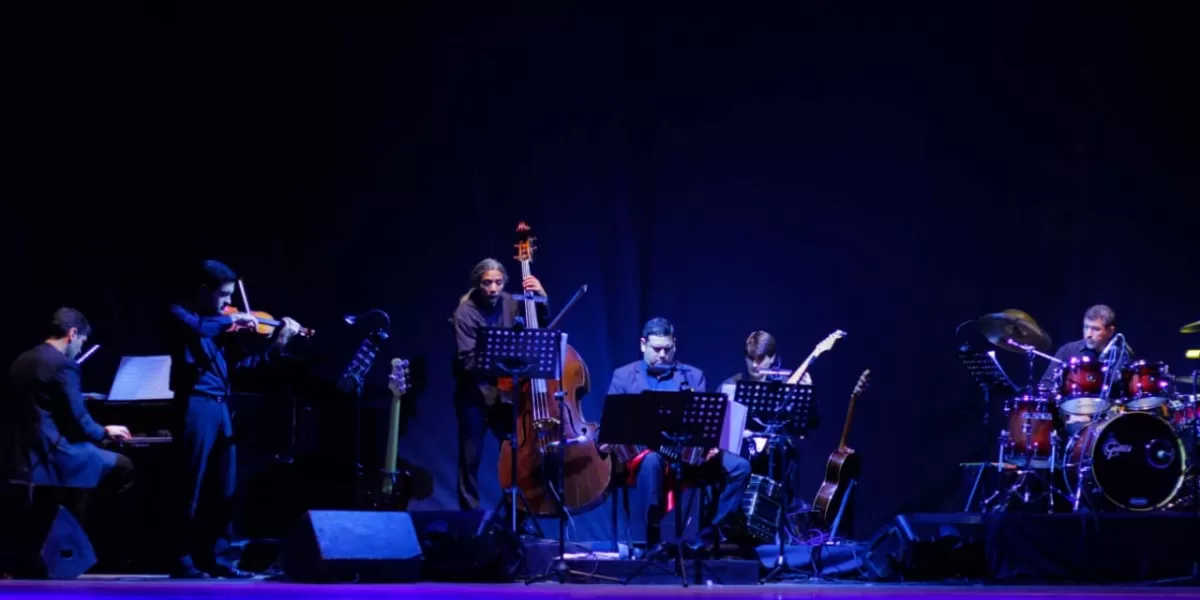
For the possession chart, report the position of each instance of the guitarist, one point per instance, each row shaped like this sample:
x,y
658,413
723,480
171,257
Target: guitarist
x,y
658,370
761,354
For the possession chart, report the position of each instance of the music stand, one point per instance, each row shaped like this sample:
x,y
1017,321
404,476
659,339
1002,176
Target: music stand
x,y
668,421
519,354
777,405
985,369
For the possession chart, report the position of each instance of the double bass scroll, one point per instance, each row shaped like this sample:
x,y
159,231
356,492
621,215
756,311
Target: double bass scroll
x,y
586,473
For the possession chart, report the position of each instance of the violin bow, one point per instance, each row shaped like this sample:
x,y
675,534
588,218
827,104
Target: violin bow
x,y
245,300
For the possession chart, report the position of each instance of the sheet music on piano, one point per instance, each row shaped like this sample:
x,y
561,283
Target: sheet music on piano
x,y
142,378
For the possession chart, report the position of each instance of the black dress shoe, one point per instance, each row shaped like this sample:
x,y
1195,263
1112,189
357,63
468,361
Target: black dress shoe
x,y
189,573
228,572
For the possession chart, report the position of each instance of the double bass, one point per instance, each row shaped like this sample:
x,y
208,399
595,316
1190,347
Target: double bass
x,y
585,473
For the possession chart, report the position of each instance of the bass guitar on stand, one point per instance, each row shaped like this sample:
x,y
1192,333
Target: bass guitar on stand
x,y
395,487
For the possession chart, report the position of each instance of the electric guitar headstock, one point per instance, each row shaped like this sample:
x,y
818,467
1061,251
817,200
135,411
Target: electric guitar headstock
x,y
398,379
824,346
524,243
827,344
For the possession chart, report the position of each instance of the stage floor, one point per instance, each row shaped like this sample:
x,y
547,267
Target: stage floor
x,y
111,588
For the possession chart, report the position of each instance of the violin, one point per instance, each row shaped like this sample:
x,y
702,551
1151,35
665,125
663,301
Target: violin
x,y
266,322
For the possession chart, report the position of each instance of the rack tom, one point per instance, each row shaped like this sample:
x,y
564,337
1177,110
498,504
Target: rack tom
x,y
1147,385
1030,425
1082,388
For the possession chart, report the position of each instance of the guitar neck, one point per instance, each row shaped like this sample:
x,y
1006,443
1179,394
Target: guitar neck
x,y
799,373
849,420
393,441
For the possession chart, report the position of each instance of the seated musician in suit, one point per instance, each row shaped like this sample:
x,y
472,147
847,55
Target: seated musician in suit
x,y
659,371
49,422
478,405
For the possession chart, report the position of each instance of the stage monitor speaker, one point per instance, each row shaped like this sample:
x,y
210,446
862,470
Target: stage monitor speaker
x,y
337,545
928,547
45,542
467,547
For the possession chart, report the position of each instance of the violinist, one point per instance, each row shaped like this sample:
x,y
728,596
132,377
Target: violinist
x,y
204,352
478,404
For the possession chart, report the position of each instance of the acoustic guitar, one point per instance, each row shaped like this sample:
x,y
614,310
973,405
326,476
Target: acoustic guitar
x,y
843,465
395,483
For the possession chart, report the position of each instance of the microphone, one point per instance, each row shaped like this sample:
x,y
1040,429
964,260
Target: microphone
x,y
1110,344
354,319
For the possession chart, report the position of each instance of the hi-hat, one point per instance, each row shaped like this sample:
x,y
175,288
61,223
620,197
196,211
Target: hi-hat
x,y
1190,328
1015,325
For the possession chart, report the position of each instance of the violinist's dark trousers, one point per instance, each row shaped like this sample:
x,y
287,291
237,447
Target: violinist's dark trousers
x,y
208,465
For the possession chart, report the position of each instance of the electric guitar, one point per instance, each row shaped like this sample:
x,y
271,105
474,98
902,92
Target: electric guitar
x,y
825,346
395,483
843,466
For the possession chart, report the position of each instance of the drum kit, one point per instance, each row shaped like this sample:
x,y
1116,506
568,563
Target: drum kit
x,y
1096,434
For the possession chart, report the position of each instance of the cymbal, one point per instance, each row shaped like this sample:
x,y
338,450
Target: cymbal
x,y
1186,380
1190,328
1015,324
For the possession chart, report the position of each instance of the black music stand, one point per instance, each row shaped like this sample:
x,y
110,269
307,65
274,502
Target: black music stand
x,y
519,354
777,405
985,369
669,421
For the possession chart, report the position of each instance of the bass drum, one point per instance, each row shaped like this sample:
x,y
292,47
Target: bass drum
x,y
1134,461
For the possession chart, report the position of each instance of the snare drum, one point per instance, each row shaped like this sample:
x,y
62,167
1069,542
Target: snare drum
x,y
1030,424
1147,385
1082,387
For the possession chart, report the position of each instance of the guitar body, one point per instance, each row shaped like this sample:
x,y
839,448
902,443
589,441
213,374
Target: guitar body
x,y
843,467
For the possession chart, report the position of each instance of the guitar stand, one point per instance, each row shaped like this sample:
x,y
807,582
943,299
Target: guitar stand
x,y
831,541
558,568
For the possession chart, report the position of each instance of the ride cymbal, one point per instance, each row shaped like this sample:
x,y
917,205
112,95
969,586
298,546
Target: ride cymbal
x,y
1190,328
1016,325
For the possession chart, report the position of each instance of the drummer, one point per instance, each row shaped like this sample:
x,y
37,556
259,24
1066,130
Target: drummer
x,y
1099,327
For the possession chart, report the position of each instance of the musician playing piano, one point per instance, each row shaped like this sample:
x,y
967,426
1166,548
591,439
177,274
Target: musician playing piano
x,y
478,404
659,371
48,424
201,338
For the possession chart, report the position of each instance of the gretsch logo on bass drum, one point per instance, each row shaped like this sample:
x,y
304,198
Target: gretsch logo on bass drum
x,y
1112,447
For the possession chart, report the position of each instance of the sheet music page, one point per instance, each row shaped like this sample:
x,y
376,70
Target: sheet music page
x,y
142,378
728,389
734,427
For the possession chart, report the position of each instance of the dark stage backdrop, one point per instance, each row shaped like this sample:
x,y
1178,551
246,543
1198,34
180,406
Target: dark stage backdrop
x,y
892,175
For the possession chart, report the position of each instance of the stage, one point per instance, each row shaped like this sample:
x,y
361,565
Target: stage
x,y
94,587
